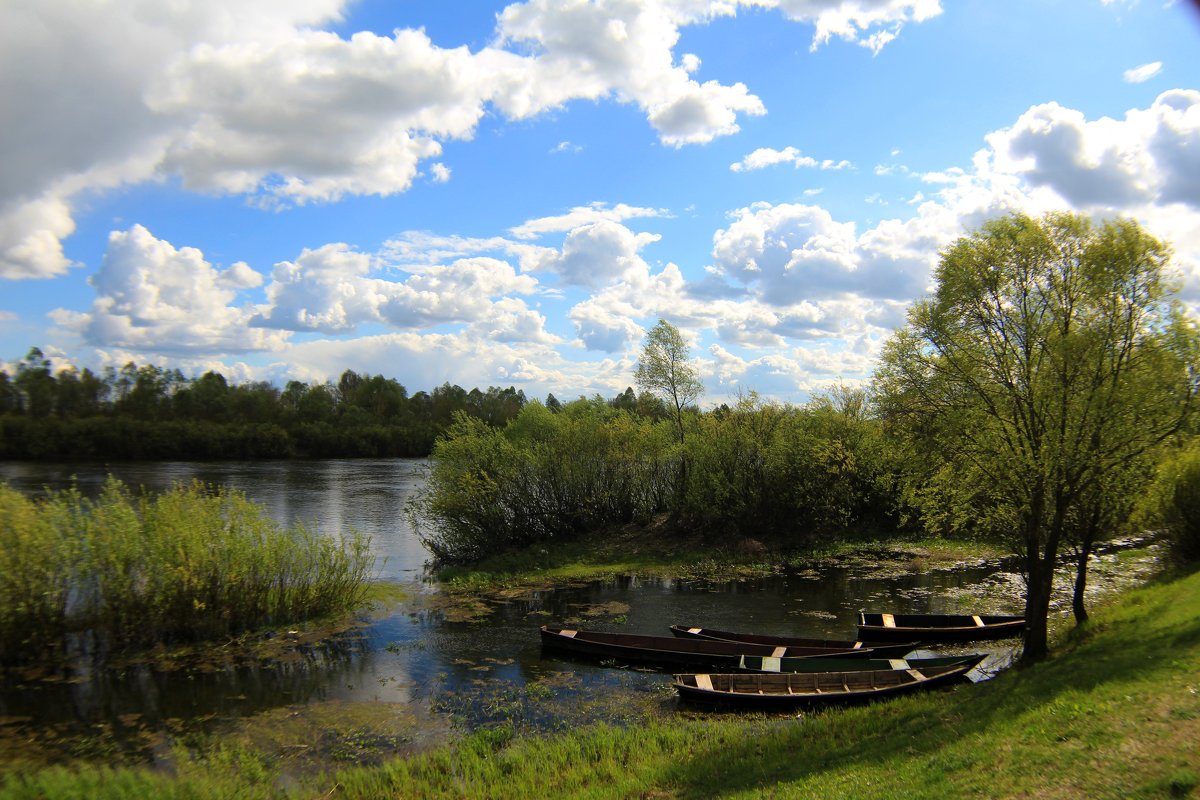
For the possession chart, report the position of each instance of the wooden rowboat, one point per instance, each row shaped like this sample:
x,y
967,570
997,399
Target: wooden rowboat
x,y
938,627
795,689
836,664
878,649
670,650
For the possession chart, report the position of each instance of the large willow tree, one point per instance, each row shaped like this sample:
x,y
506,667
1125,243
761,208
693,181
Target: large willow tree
x,y
1050,358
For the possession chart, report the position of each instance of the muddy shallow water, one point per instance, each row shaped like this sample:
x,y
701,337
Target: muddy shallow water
x,y
418,670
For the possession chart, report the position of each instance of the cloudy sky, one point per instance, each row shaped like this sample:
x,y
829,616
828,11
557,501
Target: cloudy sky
x,y
512,194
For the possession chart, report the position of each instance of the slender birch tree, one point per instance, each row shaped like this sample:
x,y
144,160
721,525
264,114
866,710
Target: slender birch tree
x,y
665,369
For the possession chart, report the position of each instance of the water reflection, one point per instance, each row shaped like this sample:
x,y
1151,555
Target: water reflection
x,y
490,669
333,494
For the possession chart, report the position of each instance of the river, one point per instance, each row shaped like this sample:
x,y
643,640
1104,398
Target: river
x,y
417,671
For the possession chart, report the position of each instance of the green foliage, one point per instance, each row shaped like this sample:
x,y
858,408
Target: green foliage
x,y
546,476
147,412
785,473
190,563
788,475
1173,502
1031,387
664,369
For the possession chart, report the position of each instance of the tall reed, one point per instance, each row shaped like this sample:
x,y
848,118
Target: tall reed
x,y
191,563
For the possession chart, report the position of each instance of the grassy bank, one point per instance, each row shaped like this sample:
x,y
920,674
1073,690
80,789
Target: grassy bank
x,y
648,551
1115,713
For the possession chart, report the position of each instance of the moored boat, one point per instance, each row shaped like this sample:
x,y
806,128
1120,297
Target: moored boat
x,y
836,664
797,689
878,649
670,650
938,627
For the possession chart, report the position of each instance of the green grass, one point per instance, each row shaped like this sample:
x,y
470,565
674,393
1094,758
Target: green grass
x,y
650,551
1115,713
188,564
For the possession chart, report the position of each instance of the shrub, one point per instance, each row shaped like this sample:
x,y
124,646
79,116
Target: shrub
x,y
545,476
191,563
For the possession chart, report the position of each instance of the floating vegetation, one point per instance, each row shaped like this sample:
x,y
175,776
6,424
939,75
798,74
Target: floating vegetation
x,y
611,608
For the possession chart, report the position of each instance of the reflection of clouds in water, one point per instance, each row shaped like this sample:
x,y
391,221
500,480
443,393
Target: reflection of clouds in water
x,y
491,669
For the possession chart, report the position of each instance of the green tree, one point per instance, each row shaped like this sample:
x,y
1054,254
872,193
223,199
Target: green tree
x,y
10,400
36,384
1050,354
665,369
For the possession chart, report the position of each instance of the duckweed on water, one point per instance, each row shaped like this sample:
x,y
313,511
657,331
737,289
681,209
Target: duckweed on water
x,y
192,563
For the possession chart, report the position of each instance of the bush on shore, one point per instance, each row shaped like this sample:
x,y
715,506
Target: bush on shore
x,y
1174,503
790,475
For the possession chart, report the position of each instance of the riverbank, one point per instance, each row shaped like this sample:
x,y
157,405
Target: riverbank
x,y
651,551
1115,712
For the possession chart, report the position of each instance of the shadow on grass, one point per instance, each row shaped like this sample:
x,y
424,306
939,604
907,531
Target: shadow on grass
x,y
1155,638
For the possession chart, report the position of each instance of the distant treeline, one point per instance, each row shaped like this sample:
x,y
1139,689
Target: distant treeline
x,y
148,412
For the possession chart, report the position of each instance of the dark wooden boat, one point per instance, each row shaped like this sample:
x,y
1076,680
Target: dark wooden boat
x,y
938,627
670,650
878,649
797,689
836,664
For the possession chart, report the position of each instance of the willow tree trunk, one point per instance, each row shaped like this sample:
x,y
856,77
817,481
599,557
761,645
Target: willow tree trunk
x,y
1081,570
1040,579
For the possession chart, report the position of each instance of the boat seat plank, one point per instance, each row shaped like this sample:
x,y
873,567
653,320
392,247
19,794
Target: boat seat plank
x,y
889,621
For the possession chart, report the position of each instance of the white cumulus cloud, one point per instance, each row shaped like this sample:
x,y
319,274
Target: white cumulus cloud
x,y
1143,73
261,99
154,297
765,157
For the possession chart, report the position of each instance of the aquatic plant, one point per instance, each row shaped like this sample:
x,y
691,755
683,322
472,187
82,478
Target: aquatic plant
x,y
191,563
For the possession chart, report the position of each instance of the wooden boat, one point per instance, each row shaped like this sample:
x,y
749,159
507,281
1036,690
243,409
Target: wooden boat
x,y
938,627
670,650
878,649
796,689
836,664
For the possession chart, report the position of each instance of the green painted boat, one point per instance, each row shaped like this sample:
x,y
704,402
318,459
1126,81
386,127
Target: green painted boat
x,y
937,627
835,664
878,649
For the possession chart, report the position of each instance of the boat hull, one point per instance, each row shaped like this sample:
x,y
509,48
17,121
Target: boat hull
x,y
878,649
799,690
834,664
671,651
934,628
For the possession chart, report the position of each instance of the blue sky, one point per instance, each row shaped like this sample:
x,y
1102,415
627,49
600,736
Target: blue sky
x,y
512,194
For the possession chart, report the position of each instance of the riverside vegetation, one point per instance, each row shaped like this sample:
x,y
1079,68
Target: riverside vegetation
x,y
192,563
1030,399
1114,713
1043,397
152,413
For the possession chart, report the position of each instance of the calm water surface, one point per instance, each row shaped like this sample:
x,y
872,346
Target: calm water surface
x,y
439,670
